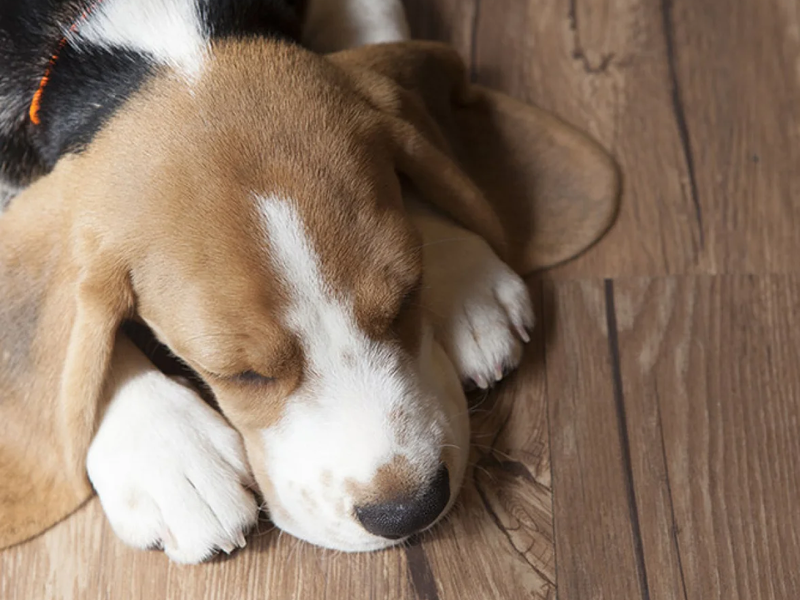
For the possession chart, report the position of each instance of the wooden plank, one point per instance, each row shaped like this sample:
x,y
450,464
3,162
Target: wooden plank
x,y
640,314
603,66
738,68
598,544
706,375
499,541
81,559
720,359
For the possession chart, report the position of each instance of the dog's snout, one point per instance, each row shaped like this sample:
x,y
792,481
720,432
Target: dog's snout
x,y
407,515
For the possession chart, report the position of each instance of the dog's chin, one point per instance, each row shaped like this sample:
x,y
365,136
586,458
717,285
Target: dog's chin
x,y
361,542
369,543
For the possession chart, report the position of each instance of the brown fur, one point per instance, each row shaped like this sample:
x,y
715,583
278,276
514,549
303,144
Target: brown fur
x,y
395,480
156,220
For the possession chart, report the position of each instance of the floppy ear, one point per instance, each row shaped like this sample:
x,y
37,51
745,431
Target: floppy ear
x,y
538,190
63,298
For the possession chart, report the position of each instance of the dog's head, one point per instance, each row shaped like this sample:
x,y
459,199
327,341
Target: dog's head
x,y
253,218
269,249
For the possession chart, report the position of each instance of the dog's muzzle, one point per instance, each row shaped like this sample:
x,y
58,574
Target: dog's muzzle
x,y
406,515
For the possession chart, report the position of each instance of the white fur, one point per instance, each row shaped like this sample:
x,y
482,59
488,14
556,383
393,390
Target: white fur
x,y
170,32
481,308
333,25
338,427
168,469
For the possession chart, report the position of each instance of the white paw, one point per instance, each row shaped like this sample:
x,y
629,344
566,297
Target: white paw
x,y
481,308
170,471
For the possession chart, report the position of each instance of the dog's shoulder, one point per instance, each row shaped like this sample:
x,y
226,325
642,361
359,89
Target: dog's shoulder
x,y
67,65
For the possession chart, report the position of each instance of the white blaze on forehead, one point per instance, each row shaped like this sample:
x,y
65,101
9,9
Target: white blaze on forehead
x,y
322,318
170,32
351,383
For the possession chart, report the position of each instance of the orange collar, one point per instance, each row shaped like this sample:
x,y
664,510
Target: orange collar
x,y
33,110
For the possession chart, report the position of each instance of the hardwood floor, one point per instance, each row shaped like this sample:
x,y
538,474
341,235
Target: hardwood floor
x,y
648,447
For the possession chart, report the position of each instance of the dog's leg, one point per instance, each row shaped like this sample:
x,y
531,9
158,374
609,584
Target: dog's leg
x,y
480,308
332,25
168,469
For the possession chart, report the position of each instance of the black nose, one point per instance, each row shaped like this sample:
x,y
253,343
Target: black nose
x,y
403,516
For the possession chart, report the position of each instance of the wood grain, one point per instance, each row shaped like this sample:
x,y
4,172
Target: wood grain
x,y
500,543
81,559
639,314
603,66
737,67
598,545
717,360
674,433
696,100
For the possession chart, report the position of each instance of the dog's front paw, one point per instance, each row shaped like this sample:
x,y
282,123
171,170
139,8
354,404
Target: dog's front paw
x,y
170,471
481,308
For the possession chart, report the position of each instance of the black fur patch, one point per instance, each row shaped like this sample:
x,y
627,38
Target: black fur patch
x,y
89,84
277,18
85,88
27,31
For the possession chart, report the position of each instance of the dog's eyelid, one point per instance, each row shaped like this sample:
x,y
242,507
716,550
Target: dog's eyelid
x,y
411,293
252,378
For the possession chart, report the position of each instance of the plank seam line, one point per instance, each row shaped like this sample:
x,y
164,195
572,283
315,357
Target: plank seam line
x,y
423,581
674,528
543,304
680,114
622,425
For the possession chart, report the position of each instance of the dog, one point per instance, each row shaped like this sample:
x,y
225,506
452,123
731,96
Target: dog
x,y
270,215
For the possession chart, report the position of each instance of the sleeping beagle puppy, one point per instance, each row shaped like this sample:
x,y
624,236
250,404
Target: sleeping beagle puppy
x,y
276,221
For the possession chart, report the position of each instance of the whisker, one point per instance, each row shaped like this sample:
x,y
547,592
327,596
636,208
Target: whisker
x,y
295,549
259,534
484,435
492,477
483,398
219,334
450,446
460,414
493,451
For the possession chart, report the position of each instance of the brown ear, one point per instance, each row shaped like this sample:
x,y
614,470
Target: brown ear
x,y
62,302
526,181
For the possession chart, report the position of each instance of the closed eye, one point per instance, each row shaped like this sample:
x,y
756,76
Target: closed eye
x,y
252,378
